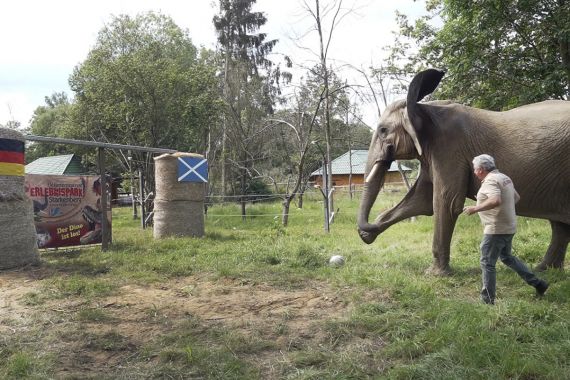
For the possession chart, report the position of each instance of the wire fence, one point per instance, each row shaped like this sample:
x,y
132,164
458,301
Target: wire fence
x,y
216,199
310,195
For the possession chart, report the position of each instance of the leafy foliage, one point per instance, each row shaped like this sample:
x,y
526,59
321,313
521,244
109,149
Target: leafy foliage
x,y
250,87
236,26
300,122
54,119
144,84
498,54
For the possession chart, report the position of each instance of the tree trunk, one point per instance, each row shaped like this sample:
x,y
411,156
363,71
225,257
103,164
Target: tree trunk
x,y
286,207
224,125
406,182
565,54
404,178
243,195
327,104
349,158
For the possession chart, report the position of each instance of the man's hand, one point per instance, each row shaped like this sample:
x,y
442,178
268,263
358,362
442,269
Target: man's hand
x,y
488,204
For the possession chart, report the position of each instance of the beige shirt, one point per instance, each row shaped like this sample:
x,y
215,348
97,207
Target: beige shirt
x,y
501,219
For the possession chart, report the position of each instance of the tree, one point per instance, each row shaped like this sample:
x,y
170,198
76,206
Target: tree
x,y
299,123
144,84
249,87
12,124
498,55
293,143
54,119
384,82
331,13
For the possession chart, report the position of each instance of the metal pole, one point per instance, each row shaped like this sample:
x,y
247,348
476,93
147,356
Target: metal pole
x,y
134,203
141,197
105,238
57,140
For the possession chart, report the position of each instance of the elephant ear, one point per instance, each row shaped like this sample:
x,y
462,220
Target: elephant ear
x,y
424,83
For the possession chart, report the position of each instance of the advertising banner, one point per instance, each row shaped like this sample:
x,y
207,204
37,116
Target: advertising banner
x,y
67,209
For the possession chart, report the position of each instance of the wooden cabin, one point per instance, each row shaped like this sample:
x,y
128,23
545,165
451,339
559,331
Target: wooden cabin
x,y
357,160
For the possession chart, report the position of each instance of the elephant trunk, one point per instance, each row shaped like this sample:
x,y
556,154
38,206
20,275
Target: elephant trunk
x,y
372,185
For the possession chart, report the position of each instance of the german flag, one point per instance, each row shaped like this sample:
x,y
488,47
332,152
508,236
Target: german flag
x,y
11,157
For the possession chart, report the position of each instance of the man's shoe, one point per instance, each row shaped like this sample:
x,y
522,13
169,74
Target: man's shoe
x,y
541,288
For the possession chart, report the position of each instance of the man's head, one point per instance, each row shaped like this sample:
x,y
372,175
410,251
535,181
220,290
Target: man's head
x,y
482,165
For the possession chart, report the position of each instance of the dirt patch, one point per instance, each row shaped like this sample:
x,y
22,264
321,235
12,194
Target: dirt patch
x,y
141,314
233,302
13,310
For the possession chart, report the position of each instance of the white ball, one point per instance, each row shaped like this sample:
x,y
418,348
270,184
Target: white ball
x,y
336,261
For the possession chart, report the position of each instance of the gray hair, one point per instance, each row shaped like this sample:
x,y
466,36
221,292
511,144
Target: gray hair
x,y
485,162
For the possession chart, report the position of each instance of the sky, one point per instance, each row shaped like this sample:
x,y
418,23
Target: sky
x,y
43,41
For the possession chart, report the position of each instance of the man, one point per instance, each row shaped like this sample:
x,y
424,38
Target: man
x,y
496,207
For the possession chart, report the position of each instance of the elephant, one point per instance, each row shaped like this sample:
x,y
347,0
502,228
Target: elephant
x,y
531,144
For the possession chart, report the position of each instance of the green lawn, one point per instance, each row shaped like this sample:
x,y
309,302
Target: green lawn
x,y
255,300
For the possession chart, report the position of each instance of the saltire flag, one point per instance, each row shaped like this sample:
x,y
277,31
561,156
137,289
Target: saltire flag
x,y
192,169
11,157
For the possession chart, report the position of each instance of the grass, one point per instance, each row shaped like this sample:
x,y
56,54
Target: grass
x,y
393,320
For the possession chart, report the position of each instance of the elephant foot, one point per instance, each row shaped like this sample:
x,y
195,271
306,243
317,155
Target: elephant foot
x,y
556,252
436,270
367,237
543,266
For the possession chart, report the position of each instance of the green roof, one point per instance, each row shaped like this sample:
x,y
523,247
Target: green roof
x,y
67,164
341,165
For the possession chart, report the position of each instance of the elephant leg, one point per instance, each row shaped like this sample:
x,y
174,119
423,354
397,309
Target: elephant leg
x,y
554,256
418,201
443,230
445,217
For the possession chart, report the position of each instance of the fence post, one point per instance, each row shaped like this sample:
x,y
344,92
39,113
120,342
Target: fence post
x,y
134,203
142,197
105,238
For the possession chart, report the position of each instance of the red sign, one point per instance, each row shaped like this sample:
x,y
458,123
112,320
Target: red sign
x,y
67,209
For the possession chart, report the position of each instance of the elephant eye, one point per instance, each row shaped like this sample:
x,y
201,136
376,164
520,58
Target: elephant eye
x,y
382,131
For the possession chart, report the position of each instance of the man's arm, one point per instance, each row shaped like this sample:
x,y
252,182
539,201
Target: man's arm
x,y
487,204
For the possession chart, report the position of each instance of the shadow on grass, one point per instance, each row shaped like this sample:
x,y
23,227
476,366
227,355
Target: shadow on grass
x,y
461,272
84,268
217,236
67,252
72,261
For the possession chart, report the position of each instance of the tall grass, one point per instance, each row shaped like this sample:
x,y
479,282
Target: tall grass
x,y
402,324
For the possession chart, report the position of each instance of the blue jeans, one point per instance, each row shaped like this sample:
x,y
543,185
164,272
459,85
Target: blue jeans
x,y
500,246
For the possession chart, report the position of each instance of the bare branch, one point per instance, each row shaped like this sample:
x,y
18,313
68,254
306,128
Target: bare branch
x,y
290,125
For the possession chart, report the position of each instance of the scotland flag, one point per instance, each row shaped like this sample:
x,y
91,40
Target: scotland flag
x,y
192,169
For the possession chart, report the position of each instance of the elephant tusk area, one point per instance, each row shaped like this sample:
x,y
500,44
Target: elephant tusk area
x,y
372,173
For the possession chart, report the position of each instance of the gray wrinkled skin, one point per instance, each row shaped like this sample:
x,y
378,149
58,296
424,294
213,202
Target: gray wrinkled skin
x,y
531,144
